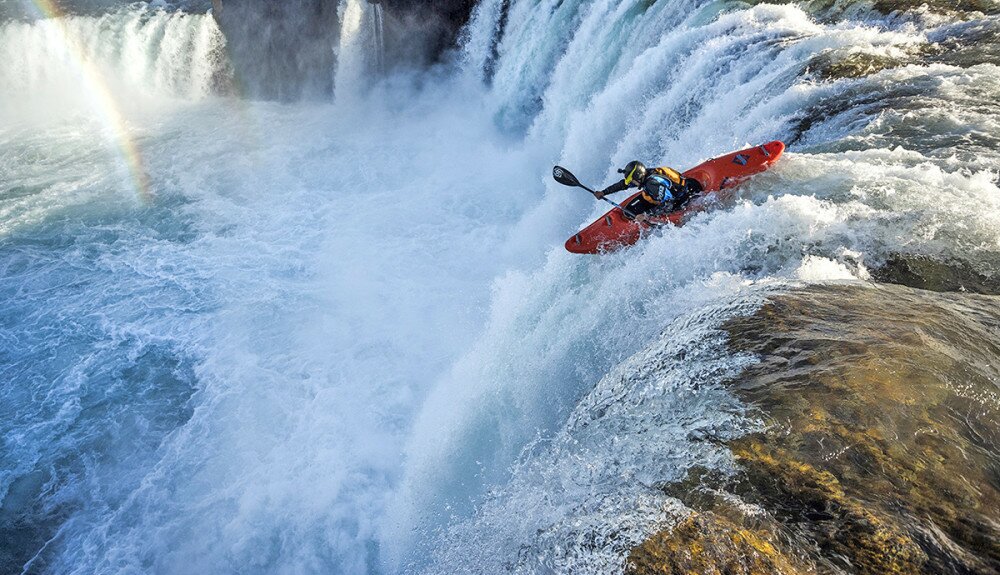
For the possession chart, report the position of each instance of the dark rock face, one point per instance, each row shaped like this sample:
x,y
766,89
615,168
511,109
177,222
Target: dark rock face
x,y
879,452
930,274
280,50
286,50
420,33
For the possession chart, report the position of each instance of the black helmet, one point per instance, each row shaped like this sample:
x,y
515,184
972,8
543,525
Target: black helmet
x,y
634,171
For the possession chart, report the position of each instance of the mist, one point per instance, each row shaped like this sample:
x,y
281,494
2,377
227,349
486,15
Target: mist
x,y
253,330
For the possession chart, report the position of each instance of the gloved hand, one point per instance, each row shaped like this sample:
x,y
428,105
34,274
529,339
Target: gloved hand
x,y
640,218
605,192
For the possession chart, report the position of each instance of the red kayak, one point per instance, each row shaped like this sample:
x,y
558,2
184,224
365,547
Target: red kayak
x,y
614,230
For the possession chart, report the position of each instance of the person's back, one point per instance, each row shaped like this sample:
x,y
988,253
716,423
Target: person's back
x,y
663,189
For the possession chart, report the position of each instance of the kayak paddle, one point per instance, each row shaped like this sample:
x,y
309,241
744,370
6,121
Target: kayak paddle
x,y
566,178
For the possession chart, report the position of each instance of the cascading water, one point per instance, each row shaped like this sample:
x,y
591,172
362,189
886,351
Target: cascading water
x,y
170,54
343,336
361,53
378,37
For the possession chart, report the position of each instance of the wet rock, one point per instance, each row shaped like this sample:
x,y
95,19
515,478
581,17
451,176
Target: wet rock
x,y
930,274
280,50
855,65
879,450
951,7
710,544
420,33
286,50
832,10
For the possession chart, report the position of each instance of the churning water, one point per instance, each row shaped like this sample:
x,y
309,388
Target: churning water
x,y
248,337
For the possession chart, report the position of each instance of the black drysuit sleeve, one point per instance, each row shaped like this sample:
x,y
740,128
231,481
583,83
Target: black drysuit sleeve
x,y
616,187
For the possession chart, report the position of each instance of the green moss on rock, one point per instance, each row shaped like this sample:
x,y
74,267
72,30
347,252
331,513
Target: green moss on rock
x,y
853,65
709,544
880,450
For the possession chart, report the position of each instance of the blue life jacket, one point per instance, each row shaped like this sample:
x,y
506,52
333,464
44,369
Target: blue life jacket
x,y
657,189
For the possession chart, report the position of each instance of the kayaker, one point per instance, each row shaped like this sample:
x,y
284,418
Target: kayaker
x,y
663,189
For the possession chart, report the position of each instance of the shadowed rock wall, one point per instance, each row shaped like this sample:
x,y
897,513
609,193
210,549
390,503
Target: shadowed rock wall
x,y
280,50
420,33
286,50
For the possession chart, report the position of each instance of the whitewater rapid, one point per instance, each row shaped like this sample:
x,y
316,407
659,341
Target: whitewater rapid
x,y
344,336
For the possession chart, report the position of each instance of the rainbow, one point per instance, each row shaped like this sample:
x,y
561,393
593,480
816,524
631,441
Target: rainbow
x,y
105,103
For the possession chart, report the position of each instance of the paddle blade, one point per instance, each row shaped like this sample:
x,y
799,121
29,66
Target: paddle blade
x,y
564,176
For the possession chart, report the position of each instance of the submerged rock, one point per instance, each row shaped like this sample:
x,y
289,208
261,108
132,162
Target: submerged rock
x,y
854,65
879,450
711,544
831,10
952,7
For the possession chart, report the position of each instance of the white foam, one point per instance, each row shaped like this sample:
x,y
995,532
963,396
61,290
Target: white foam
x,y
140,52
814,268
393,351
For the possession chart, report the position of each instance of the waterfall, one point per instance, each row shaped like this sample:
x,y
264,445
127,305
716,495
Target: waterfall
x,y
341,334
147,52
378,38
361,51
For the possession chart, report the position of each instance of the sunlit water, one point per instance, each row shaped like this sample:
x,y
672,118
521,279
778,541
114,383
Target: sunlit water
x,y
344,336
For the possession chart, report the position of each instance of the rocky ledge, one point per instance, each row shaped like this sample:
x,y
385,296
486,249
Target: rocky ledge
x,y
878,451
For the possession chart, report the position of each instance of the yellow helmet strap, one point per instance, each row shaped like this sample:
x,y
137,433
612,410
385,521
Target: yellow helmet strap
x,y
629,177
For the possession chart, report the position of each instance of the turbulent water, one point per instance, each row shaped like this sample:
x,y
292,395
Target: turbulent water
x,y
343,336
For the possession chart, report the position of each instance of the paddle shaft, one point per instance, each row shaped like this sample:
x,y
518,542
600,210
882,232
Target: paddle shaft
x,y
613,203
566,178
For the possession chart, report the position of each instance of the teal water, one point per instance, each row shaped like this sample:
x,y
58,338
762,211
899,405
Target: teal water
x,y
344,336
